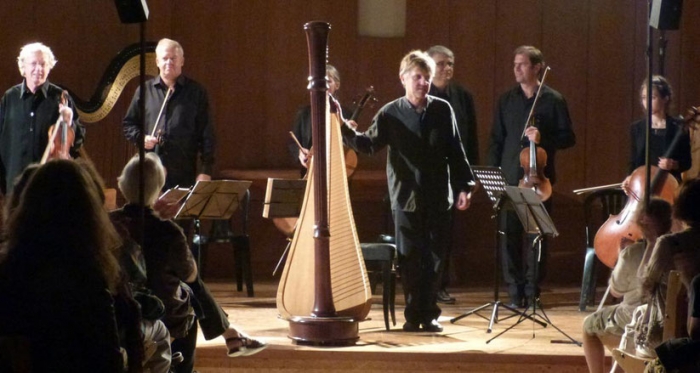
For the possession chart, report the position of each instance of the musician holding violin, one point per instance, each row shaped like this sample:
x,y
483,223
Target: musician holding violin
x,y
179,128
28,110
548,129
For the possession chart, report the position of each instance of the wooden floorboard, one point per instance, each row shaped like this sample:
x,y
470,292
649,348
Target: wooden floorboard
x,y
462,346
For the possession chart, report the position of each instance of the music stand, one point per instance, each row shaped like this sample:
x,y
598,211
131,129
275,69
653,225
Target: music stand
x,y
215,199
535,220
494,183
283,199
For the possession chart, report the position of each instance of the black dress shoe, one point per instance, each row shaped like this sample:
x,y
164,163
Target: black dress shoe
x,y
432,327
411,327
444,297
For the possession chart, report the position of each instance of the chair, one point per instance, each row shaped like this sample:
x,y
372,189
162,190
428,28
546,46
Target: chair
x,y
221,232
605,202
379,258
674,325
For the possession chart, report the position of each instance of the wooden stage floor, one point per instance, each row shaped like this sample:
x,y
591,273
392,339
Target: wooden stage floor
x,y
460,347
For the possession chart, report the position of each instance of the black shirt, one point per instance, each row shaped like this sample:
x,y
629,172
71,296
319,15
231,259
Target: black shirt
x,y
187,129
551,119
462,103
660,141
25,118
425,153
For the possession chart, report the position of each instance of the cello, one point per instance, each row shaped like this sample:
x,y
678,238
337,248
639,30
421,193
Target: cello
x,y
663,185
533,158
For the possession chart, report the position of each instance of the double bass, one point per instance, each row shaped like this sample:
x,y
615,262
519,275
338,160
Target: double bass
x,y
663,185
533,158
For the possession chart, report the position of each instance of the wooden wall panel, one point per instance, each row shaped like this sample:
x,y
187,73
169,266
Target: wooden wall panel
x,y
251,56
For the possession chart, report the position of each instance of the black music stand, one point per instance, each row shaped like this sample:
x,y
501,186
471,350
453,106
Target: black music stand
x,y
535,220
494,183
283,199
215,199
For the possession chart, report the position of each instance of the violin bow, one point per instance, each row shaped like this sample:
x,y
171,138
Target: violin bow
x,y
537,96
168,94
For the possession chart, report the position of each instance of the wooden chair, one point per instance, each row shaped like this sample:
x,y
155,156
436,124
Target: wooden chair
x,y
674,325
598,205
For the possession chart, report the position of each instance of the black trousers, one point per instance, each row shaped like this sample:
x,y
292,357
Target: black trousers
x,y
211,318
421,242
520,261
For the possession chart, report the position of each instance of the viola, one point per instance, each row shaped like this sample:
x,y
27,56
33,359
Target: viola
x,y
533,159
663,185
351,155
61,137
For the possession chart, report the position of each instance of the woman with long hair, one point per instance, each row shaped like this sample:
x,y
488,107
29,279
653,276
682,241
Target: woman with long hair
x,y
58,273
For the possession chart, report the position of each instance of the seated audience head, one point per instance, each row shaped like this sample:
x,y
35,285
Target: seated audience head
x,y
687,202
654,219
154,179
60,220
20,183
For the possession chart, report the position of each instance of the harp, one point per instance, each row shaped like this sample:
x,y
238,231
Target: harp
x,y
123,68
324,290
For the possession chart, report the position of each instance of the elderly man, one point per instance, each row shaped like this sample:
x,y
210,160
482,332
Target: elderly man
x,y
184,130
27,110
463,105
425,157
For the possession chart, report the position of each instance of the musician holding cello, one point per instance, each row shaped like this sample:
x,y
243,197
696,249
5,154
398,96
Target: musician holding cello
x,y
549,129
28,110
664,128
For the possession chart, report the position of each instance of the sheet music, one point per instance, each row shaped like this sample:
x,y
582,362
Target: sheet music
x,y
216,199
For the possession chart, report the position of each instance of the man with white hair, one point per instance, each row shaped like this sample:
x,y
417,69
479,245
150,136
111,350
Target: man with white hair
x,y
184,131
27,110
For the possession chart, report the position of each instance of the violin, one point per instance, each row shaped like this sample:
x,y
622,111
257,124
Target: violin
x,y
663,185
61,136
351,155
533,158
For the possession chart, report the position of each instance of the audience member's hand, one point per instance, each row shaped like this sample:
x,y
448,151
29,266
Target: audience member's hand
x,y
352,124
166,209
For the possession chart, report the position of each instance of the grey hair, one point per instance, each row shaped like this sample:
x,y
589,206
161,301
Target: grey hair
x,y
28,49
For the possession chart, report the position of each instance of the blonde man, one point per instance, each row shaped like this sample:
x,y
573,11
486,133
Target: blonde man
x,y
425,156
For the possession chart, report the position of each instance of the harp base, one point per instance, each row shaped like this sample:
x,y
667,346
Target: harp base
x,y
323,331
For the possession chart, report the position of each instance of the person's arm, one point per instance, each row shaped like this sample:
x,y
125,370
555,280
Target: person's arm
x,y
562,135
497,138
78,127
130,124
207,143
471,138
370,141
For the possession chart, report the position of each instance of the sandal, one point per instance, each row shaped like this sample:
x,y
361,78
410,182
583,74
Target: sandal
x,y
245,347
